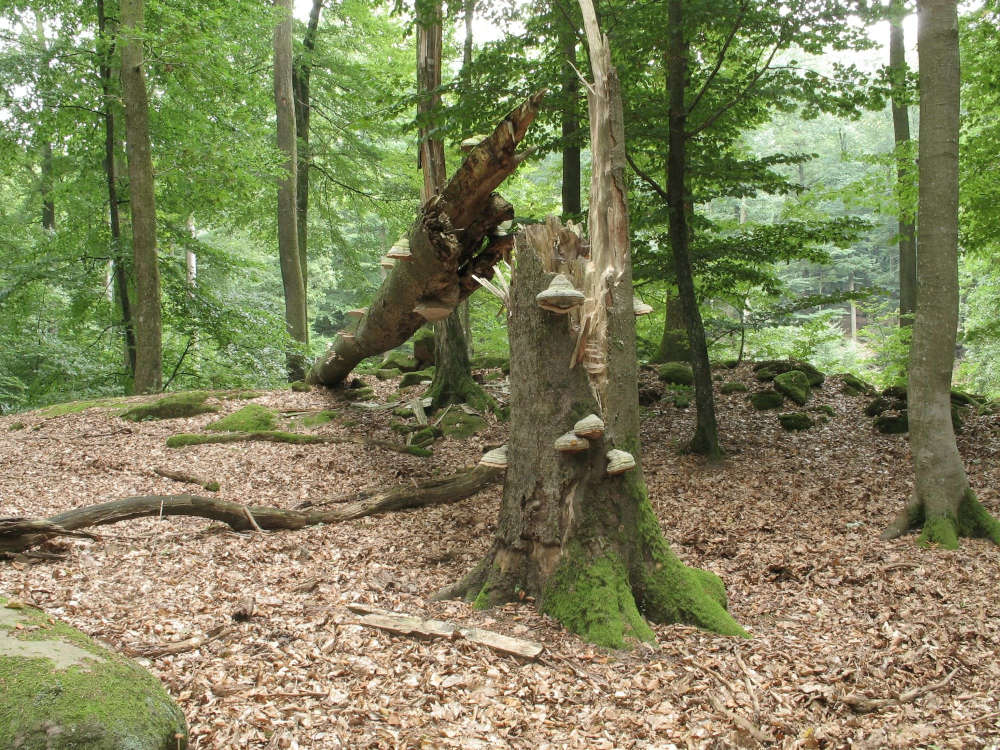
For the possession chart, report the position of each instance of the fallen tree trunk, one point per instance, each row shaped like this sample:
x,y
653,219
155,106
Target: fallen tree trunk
x,y
18,534
446,249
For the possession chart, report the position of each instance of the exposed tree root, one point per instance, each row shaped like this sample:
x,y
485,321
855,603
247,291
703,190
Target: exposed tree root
x,y
17,534
972,521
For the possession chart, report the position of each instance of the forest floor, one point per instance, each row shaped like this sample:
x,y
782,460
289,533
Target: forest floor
x,y
790,521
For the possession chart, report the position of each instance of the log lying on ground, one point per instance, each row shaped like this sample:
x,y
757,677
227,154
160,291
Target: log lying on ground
x,y
18,534
447,249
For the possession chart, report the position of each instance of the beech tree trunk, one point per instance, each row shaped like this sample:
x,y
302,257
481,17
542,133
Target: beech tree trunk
x,y
942,501
301,72
706,434
454,238
148,327
105,55
901,133
674,346
296,322
584,543
572,206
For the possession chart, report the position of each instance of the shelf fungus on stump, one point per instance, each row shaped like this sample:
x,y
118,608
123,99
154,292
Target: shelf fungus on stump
x,y
496,458
590,427
619,462
400,250
640,308
561,296
571,443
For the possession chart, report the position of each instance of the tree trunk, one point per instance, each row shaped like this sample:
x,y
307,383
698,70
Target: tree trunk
x,y
901,133
148,327
47,179
706,435
942,502
674,346
301,71
111,177
296,322
584,543
446,246
572,206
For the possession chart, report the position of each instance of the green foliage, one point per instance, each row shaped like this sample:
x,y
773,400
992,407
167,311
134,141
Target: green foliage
x,y
732,387
794,384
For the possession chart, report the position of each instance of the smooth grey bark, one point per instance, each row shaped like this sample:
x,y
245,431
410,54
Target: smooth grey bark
x,y
572,205
901,135
121,293
301,73
288,254
148,326
674,346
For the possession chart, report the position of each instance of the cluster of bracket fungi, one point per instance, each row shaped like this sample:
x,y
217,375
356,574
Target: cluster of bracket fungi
x,y
591,427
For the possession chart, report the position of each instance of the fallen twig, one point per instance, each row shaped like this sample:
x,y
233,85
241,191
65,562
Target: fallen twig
x,y
153,651
863,704
743,723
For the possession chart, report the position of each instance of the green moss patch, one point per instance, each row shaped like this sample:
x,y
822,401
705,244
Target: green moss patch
x,y
676,372
251,418
399,361
768,369
387,374
174,406
416,377
794,384
15,426
318,418
491,362
732,387
458,425
795,420
270,436
892,423
74,407
423,347
854,386
764,400
300,386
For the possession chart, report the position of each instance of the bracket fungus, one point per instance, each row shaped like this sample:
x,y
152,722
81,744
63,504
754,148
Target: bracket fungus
x,y
400,250
641,308
619,462
590,427
571,443
561,296
496,458
471,142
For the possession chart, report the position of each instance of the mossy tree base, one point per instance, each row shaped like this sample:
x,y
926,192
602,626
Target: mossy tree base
x,y
452,382
970,520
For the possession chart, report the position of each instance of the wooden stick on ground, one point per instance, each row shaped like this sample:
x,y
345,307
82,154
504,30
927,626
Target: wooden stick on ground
x,y
863,704
179,476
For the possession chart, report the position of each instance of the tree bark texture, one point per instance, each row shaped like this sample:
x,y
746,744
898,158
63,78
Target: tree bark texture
x,y
148,326
118,259
301,72
901,134
454,238
572,206
296,322
706,434
584,543
674,346
21,533
943,502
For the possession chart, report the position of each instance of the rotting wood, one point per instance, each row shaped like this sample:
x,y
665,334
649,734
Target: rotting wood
x,y
183,477
17,534
153,651
452,241
402,624
295,438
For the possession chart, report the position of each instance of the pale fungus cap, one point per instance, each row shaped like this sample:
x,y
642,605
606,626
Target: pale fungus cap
x,y
399,253
496,458
358,313
387,262
561,296
619,461
472,141
641,308
571,443
591,426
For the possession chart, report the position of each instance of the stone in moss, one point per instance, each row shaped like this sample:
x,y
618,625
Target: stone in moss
x,y
676,372
794,384
61,690
416,378
300,386
458,425
777,366
399,361
769,399
795,420
423,347
251,418
732,387
892,423
387,374
854,386
174,406
825,409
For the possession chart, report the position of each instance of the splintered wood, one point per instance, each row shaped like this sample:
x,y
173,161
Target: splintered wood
x,y
400,624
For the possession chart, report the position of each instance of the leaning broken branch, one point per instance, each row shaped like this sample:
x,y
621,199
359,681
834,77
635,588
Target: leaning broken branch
x,y
18,534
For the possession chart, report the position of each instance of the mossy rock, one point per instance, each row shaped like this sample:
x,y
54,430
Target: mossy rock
x,y
769,399
897,392
300,386
458,425
768,369
682,400
423,347
732,387
251,418
425,436
362,394
892,423
399,361
174,406
388,374
881,404
794,384
855,386
795,420
74,407
63,691
824,409
416,377
958,415
649,393
676,372
320,417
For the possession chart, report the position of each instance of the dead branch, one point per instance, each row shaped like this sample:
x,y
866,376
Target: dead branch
x,y
863,704
185,478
